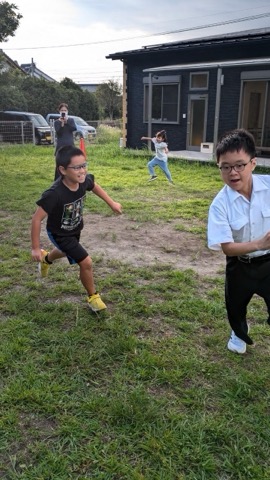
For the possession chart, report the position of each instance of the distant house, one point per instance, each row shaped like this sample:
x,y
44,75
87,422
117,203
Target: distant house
x,y
197,89
89,87
6,63
32,70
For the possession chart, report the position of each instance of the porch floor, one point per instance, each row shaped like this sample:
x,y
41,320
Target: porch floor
x,y
206,157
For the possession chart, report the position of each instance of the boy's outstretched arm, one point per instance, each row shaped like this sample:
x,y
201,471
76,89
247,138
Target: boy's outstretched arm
x,y
37,218
116,207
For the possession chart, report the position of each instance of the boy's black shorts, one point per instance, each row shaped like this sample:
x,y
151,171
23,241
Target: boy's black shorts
x,y
70,246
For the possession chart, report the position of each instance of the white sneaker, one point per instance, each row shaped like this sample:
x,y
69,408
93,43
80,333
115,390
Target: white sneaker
x,y
236,345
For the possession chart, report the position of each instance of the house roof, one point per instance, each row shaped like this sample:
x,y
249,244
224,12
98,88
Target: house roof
x,y
32,70
90,87
11,63
228,38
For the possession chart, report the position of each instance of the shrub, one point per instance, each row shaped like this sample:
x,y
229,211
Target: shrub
x,y
107,134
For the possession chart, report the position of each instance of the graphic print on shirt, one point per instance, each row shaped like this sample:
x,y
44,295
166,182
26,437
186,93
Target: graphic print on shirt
x,y
72,214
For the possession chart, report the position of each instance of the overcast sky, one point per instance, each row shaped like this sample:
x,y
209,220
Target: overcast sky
x,y
50,31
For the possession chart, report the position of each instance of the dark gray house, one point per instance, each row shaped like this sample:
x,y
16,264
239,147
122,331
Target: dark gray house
x,y
89,87
197,89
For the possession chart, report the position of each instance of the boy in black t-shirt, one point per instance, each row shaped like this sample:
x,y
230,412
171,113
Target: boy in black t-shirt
x,y
62,204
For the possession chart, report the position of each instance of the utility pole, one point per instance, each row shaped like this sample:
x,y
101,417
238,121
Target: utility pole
x,y
32,67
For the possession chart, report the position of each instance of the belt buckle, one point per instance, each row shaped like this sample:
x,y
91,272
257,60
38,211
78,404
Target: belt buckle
x,y
245,259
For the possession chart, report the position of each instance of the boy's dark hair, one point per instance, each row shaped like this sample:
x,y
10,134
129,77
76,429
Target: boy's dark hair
x,y
234,141
162,134
65,154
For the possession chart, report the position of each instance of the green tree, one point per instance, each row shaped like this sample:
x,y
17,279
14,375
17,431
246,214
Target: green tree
x,y
44,97
9,20
88,106
10,95
109,97
22,92
83,104
68,83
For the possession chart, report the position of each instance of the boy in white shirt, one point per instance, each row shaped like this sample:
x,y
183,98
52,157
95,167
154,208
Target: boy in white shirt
x,y
239,224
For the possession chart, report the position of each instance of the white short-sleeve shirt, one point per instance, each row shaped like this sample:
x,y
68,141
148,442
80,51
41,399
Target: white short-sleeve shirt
x,y
160,148
233,218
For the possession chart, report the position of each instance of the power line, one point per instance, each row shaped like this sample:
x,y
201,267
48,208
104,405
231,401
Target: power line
x,y
170,32
236,20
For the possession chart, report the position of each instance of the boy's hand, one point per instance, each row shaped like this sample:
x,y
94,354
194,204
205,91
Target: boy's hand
x,y
264,243
116,208
36,255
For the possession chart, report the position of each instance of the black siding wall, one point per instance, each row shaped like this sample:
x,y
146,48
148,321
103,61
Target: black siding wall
x,y
230,91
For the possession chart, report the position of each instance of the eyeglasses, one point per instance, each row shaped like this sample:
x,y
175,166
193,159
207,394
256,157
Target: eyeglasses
x,y
78,167
239,167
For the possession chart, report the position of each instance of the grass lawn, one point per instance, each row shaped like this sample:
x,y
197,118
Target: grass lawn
x,y
146,391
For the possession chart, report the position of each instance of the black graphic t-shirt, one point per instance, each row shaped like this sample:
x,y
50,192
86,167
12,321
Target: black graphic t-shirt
x,y
65,207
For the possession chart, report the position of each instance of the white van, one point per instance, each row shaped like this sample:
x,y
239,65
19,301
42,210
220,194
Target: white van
x,y
83,129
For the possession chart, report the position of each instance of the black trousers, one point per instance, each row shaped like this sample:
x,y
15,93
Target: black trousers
x,y
243,280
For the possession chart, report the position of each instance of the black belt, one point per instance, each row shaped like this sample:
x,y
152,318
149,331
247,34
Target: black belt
x,y
260,259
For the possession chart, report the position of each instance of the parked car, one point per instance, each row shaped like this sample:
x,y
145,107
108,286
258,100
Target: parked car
x,y
20,127
83,129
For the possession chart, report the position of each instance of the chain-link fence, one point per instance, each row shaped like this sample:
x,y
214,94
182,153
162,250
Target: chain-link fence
x,y
106,131
24,132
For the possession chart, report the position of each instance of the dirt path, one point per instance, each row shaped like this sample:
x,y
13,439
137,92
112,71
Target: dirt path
x,y
141,244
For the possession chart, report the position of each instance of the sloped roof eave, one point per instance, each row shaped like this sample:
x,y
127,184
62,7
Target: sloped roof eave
x,y
190,66
236,37
11,62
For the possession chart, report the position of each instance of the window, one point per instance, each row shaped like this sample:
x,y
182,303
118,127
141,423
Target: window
x,y
165,99
198,81
254,111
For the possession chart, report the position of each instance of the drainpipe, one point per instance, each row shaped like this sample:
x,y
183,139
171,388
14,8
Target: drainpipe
x,y
217,107
150,92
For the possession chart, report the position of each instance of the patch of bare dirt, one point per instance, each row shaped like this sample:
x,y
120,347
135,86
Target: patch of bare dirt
x,y
141,244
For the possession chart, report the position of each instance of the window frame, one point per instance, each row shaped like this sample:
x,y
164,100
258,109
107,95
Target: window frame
x,y
162,81
193,74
